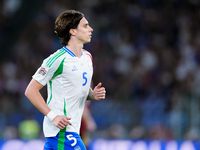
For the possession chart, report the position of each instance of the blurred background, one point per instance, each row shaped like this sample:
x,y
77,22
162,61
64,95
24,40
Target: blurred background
x,y
145,52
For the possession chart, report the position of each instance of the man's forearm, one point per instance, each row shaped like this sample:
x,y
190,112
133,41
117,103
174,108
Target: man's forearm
x,y
90,95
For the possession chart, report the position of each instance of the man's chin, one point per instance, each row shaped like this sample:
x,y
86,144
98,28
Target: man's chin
x,y
88,41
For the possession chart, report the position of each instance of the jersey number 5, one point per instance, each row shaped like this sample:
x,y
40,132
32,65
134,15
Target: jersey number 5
x,y
70,137
85,78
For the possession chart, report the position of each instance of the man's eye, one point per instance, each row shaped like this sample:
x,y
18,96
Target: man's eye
x,y
85,25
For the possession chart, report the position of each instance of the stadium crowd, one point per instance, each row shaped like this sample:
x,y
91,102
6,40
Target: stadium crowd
x,y
145,52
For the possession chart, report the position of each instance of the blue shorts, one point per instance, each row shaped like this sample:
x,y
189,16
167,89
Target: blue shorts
x,y
65,141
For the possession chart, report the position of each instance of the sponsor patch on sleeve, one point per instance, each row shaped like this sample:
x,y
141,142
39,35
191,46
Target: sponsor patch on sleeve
x,y
42,72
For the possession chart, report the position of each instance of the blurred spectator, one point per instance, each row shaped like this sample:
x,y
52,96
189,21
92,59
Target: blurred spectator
x,y
138,132
29,129
88,125
116,131
10,132
192,134
161,132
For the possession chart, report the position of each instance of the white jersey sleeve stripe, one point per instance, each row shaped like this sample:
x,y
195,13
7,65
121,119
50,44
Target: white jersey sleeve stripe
x,y
53,59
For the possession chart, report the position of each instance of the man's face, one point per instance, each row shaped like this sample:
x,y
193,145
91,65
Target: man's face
x,y
83,31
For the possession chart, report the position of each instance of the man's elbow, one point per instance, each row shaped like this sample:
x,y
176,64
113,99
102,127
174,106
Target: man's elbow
x,y
33,88
27,92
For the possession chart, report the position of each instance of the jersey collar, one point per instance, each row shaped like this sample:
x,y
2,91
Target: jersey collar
x,y
70,52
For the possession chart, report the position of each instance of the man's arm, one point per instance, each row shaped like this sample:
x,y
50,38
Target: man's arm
x,y
90,95
33,94
98,93
88,119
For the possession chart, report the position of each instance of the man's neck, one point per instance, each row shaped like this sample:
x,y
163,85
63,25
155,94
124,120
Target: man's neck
x,y
75,48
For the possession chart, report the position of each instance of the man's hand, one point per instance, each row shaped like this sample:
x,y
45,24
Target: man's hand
x,y
61,121
99,92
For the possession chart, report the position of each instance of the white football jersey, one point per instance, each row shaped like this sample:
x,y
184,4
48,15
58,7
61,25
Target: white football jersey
x,y
68,80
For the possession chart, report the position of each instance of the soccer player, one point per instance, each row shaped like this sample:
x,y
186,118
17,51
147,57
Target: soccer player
x,y
67,73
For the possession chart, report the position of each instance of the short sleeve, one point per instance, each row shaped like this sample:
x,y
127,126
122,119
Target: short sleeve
x,y
45,72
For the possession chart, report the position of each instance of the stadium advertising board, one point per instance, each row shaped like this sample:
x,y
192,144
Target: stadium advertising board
x,y
103,144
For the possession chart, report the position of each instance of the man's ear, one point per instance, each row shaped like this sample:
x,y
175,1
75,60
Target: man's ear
x,y
72,31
